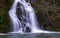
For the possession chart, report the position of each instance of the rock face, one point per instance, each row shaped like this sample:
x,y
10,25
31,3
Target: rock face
x,y
47,11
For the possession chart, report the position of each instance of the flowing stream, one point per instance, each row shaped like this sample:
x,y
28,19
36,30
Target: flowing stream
x,y
27,22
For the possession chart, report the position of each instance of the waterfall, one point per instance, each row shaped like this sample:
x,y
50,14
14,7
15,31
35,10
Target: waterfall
x,y
27,21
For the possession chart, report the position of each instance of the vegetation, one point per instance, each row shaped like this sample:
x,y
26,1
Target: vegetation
x,y
47,11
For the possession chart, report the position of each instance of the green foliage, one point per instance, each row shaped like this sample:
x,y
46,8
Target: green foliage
x,y
4,18
48,14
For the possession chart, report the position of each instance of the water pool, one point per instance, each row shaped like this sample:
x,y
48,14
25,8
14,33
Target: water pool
x,y
37,35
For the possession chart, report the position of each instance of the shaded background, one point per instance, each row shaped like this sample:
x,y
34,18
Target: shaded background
x,y
47,12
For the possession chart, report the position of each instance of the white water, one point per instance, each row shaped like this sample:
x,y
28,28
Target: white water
x,y
31,21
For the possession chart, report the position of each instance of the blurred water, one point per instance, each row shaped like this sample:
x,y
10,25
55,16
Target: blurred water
x,y
37,35
27,22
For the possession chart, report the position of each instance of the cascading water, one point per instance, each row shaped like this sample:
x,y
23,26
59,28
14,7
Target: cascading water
x,y
27,22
